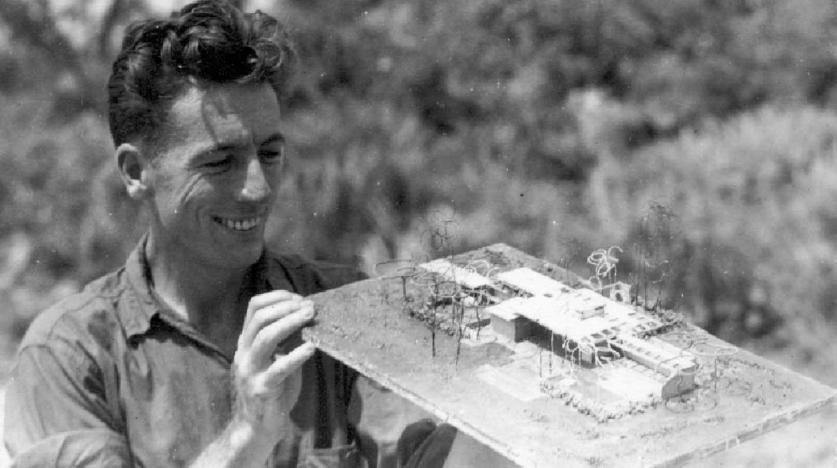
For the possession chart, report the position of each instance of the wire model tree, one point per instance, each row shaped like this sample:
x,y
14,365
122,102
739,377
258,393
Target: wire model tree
x,y
440,232
440,235
458,315
447,302
657,234
478,299
439,293
604,263
658,282
398,269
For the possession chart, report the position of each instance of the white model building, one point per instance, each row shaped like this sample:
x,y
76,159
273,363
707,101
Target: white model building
x,y
586,323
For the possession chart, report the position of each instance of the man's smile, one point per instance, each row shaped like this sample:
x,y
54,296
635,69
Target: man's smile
x,y
244,224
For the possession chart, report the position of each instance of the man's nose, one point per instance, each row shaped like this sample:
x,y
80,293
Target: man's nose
x,y
257,183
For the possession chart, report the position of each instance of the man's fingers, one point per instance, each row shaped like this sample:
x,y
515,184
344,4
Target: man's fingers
x,y
267,315
283,366
266,340
265,299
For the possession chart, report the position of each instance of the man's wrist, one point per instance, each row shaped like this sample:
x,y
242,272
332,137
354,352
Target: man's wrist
x,y
244,435
240,445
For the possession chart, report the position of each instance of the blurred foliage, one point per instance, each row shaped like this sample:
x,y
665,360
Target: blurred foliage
x,y
698,135
752,202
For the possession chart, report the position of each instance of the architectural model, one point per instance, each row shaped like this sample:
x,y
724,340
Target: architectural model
x,y
548,368
602,354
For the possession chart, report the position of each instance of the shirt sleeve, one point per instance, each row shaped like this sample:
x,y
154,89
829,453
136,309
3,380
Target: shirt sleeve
x,y
57,413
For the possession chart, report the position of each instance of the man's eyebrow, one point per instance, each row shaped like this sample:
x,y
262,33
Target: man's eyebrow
x,y
218,147
277,137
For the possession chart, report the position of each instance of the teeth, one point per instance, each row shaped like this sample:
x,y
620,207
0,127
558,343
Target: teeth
x,y
239,225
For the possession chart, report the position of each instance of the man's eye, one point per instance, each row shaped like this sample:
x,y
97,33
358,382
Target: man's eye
x,y
271,156
218,163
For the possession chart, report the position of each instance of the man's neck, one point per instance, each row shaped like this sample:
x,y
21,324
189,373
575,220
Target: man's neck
x,y
211,299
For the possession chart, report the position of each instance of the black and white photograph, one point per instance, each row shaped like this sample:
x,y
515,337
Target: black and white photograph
x,y
418,233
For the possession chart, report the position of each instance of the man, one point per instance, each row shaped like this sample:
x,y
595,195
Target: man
x,y
191,354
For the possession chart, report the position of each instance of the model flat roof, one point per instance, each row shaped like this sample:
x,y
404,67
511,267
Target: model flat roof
x,y
469,279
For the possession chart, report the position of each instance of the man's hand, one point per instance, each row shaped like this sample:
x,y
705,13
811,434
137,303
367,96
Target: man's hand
x,y
266,380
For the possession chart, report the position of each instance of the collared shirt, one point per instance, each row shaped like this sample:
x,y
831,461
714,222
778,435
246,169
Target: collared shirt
x,y
111,377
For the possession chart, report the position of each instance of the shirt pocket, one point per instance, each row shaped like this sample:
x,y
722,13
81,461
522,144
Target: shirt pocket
x,y
343,456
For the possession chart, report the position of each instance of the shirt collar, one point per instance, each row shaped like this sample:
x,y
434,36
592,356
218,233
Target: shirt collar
x,y
143,305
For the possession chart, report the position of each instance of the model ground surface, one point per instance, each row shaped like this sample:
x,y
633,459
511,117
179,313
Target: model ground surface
x,y
533,403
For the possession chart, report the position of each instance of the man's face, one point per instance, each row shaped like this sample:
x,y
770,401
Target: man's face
x,y
214,177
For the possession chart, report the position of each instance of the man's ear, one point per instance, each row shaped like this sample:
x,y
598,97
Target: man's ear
x,y
133,168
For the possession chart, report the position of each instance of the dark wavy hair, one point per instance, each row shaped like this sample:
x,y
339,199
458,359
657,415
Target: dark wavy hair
x,y
208,40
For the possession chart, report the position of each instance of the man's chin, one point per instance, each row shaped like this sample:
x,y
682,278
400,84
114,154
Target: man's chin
x,y
246,256
238,254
